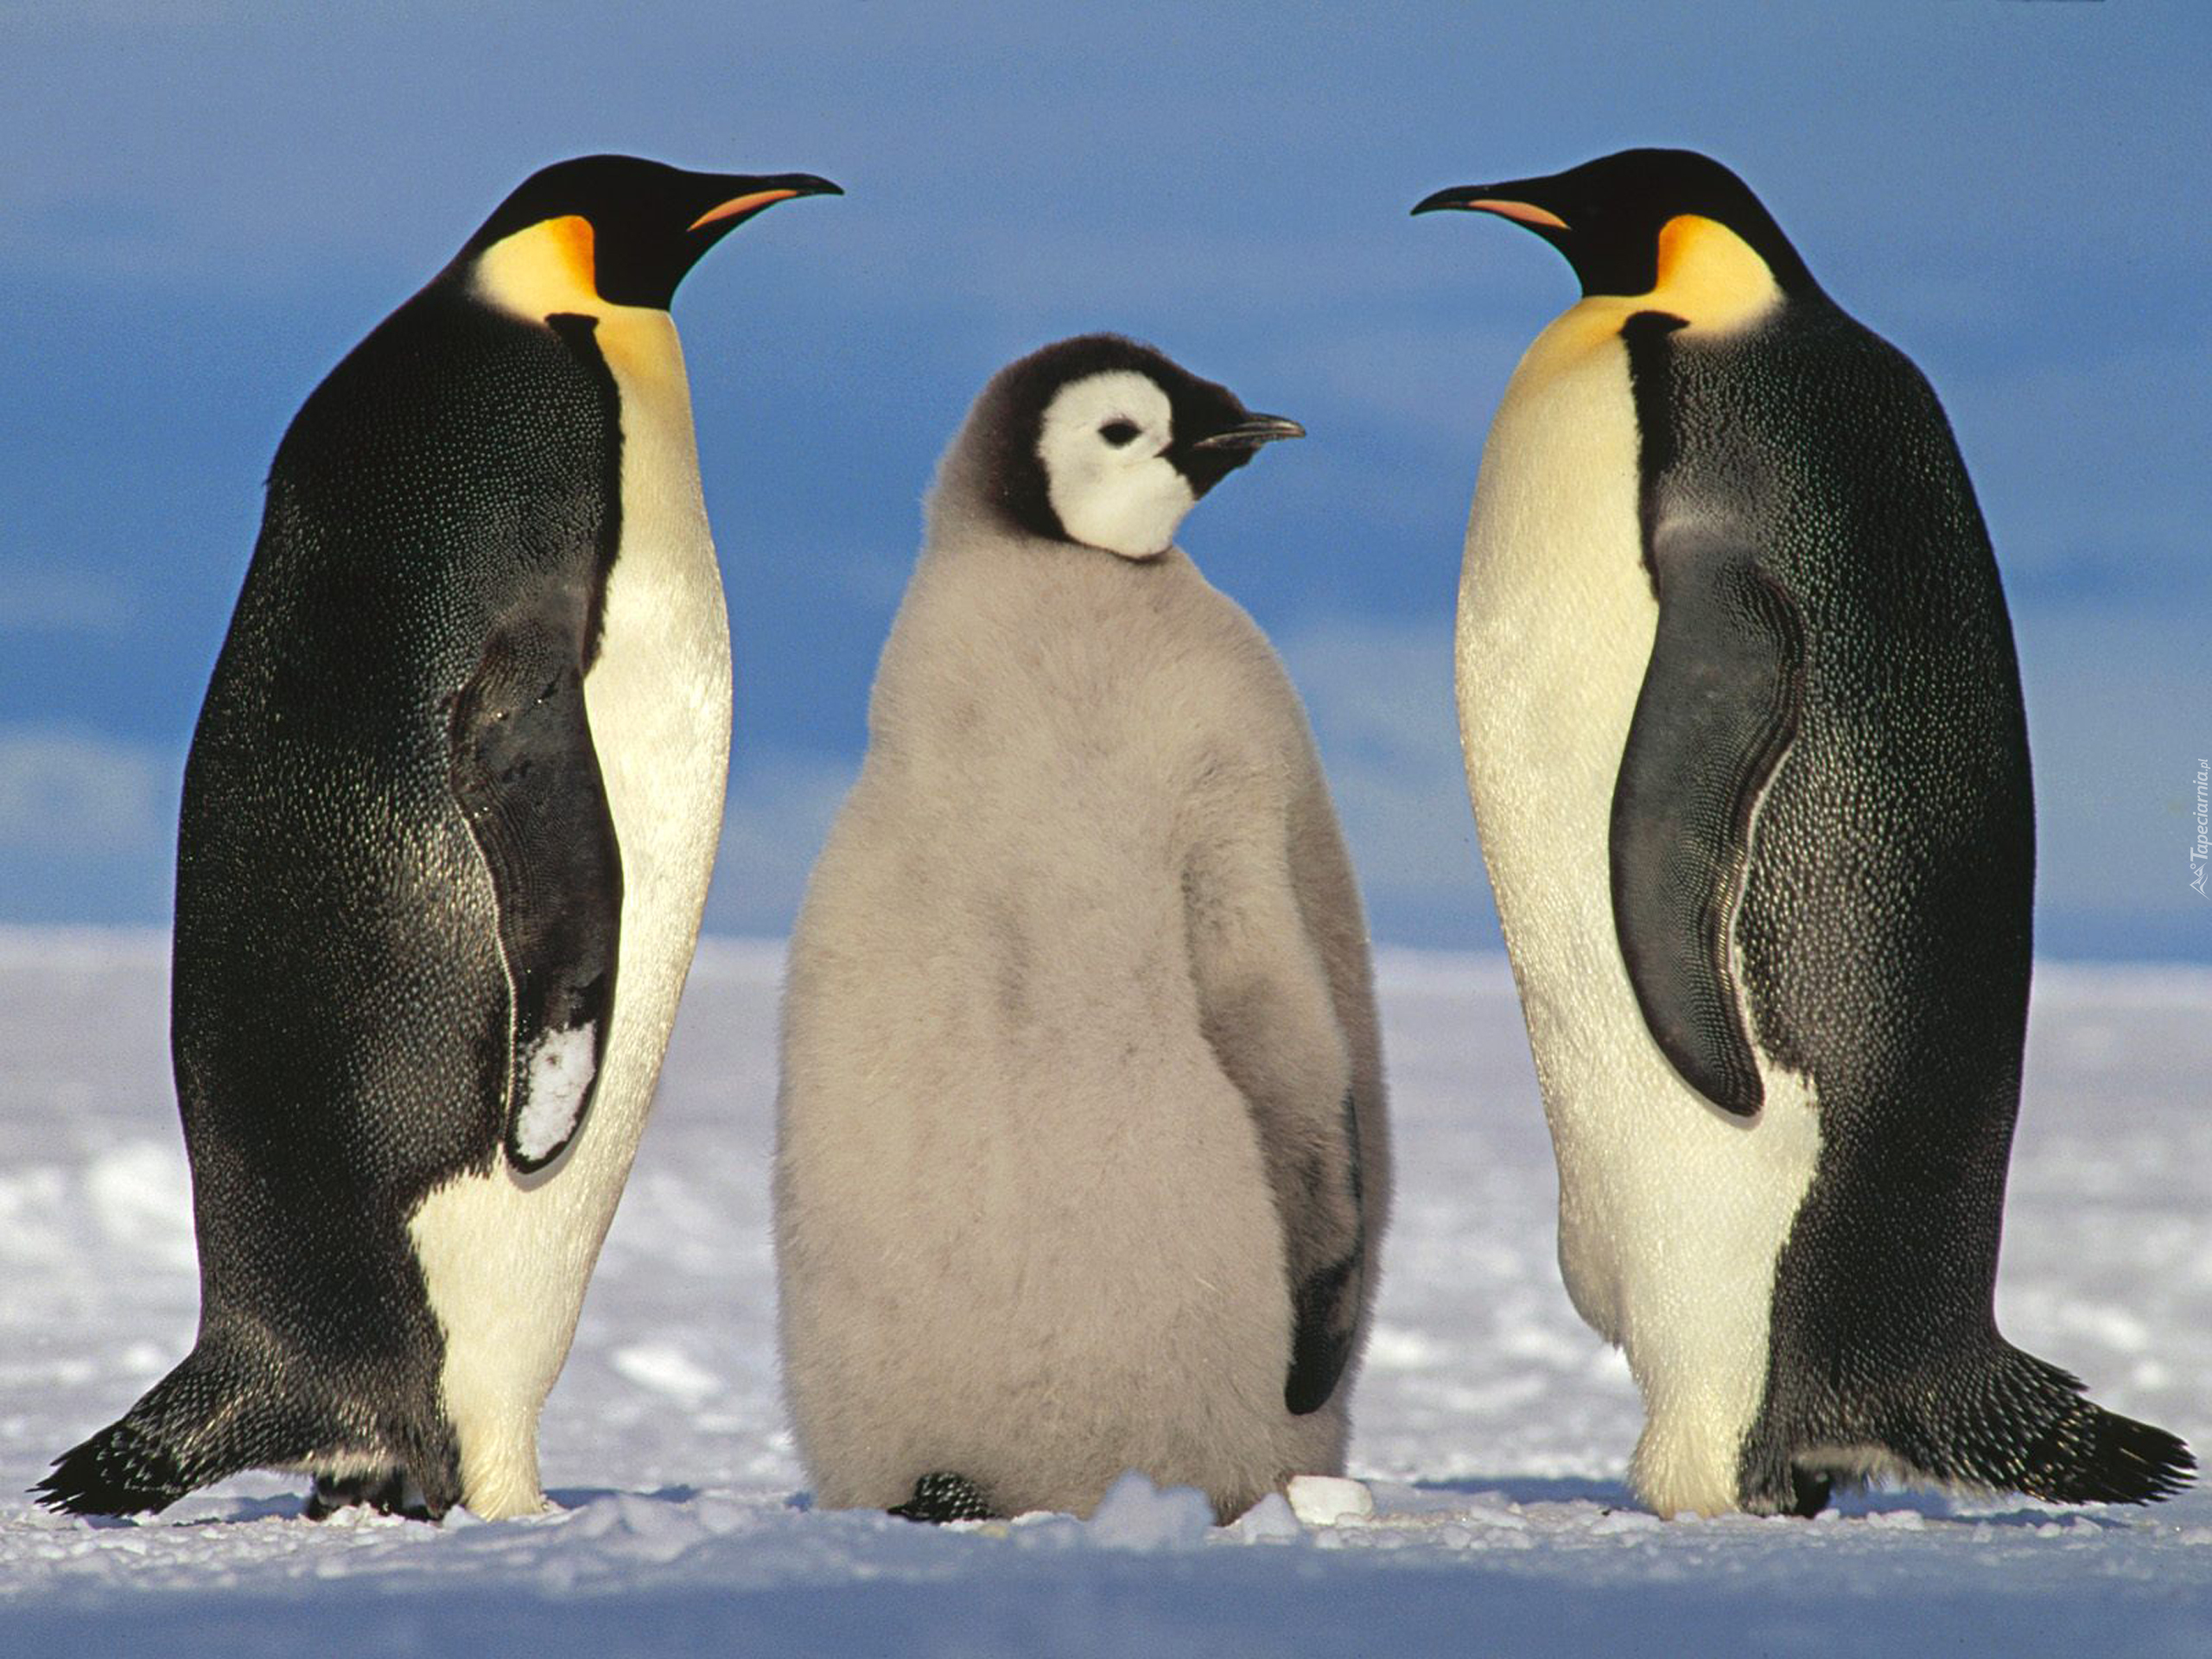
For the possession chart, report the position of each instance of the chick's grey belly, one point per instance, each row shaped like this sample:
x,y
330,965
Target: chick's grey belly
x,y
1034,1243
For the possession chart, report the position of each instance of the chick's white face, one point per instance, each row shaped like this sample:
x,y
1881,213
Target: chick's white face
x,y
1103,444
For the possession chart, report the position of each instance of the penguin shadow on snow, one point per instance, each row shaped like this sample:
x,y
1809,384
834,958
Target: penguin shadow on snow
x,y
279,1506
1856,1505
292,1506
1533,1489
577,1498
1959,1509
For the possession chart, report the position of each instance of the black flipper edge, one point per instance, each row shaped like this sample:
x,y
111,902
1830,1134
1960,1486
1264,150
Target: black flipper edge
x,y
1719,707
526,777
1325,1302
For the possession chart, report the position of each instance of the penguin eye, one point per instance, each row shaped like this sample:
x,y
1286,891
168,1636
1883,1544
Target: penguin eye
x,y
1118,433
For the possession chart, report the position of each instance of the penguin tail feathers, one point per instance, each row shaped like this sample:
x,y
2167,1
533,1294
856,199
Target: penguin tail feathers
x,y
2025,1426
197,1426
120,1470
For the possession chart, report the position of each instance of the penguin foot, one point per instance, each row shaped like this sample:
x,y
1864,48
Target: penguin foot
x,y
940,1497
388,1492
1809,1492
1779,1484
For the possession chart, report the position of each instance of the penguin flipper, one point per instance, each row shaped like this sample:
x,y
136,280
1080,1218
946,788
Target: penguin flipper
x,y
1325,1296
1264,999
527,779
1719,705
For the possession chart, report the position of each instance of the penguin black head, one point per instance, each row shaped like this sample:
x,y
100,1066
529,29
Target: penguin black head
x,y
1104,442
1618,218
629,229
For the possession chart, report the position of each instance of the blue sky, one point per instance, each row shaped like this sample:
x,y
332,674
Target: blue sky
x,y
207,203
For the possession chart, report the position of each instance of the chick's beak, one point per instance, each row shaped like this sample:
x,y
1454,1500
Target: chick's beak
x,y
1251,432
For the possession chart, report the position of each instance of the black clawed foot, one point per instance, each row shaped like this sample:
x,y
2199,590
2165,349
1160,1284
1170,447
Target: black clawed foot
x,y
387,1492
1809,1492
330,1496
940,1497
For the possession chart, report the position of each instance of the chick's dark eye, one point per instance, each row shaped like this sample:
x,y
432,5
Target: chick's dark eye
x,y
1118,433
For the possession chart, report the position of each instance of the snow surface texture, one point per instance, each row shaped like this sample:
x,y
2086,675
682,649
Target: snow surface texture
x,y
1491,1427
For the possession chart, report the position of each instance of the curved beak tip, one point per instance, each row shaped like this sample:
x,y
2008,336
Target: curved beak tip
x,y
1437,200
1251,432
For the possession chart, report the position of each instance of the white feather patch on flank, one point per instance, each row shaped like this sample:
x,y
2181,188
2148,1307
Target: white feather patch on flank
x,y
560,1068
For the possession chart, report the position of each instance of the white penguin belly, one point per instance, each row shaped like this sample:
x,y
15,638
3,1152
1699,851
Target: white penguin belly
x,y
1671,1212
506,1258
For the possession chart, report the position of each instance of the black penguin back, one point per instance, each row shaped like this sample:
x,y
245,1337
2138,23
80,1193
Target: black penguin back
x,y
1883,937
341,1018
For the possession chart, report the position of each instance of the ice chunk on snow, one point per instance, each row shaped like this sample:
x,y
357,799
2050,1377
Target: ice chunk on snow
x,y
1268,1522
1323,1500
1136,1515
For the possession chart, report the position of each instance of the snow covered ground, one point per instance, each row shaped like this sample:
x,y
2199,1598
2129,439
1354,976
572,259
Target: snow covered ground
x,y
1494,1428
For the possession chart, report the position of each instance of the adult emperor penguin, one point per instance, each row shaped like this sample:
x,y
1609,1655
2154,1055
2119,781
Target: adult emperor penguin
x,y
448,822
1744,733
1081,1163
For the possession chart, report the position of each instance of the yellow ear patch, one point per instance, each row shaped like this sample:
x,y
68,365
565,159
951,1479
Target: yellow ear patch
x,y
573,238
551,266
1709,276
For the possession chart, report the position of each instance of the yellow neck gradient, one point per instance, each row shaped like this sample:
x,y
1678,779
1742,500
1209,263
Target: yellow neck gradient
x,y
1710,276
547,268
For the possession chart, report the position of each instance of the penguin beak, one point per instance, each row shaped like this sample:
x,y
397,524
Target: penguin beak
x,y
1492,199
753,195
1251,432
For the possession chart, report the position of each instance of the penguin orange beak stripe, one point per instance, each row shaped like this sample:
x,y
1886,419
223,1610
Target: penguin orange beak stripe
x,y
1525,212
738,206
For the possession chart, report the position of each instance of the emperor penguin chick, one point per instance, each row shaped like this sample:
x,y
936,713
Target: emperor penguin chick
x,y
1744,733
448,822
1081,1163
